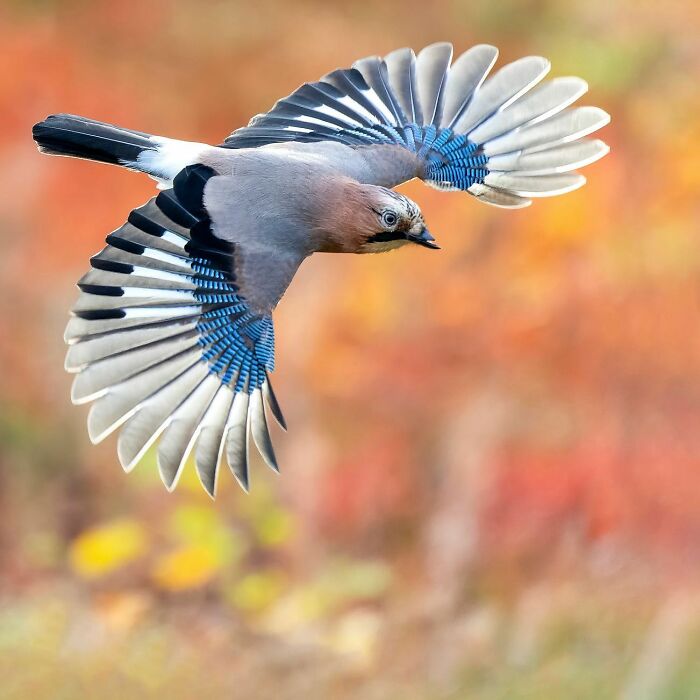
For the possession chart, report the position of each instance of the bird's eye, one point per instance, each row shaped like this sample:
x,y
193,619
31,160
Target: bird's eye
x,y
389,219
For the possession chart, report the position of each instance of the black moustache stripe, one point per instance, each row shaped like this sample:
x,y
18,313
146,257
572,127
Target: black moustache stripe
x,y
385,236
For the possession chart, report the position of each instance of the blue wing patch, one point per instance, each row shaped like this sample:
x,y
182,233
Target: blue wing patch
x,y
162,335
343,107
503,137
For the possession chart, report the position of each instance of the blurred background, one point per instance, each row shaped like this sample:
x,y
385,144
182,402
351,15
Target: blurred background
x,y
491,482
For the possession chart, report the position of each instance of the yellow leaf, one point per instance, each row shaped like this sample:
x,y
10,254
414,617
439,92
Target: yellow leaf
x,y
255,592
203,526
104,549
193,524
189,566
273,527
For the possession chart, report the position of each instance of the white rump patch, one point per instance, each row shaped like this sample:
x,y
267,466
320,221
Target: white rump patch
x,y
169,159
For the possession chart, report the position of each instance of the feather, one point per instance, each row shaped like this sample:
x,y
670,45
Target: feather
x,y
100,375
140,245
432,66
375,73
96,297
121,400
254,137
537,105
136,277
260,431
567,126
79,328
237,439
71,135
153,415
150,220
560,159
319,101
467,73
210,442
499,91
401,67
169,158
353,86
175,210
498,198
171,245
127,261
161,338
180,434
277,120
99,347
330,98
271,399
296,113
536,185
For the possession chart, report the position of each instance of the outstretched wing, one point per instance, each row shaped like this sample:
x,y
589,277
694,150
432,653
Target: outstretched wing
x,y
166,344
501,139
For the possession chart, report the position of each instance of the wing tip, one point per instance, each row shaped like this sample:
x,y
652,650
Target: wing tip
x,y
243,481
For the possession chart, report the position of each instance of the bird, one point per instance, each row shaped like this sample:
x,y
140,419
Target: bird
x,y
171,339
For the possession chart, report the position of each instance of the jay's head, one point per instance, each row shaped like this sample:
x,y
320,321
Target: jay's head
x,y
390,221
359,218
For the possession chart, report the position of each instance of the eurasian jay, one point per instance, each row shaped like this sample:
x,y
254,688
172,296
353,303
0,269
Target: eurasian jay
x,y
172,335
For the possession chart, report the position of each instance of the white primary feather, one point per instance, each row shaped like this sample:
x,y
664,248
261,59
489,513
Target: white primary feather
x,y
401,69
260,430
356,107
536,186
237,438
181,432
141,277
329,111
498,198
162,256
538,104
160,312
121,400
79,328
131,299
102,374
99,347
179,264
153,415
466,74
432,68
560,159
567,126
500,90
210,443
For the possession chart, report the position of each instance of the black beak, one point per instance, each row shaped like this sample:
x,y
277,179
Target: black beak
x,y
425,239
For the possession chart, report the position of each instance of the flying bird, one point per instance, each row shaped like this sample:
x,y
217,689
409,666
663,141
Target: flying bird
x,y
172,336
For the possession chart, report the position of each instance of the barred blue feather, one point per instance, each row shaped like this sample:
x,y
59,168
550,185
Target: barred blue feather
x,y
456,121
164,289
451,159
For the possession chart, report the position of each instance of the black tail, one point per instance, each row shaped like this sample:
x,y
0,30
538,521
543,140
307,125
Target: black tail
x,y
70,135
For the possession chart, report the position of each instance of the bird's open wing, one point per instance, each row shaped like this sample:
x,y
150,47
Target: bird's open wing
x,y
501,139
168,342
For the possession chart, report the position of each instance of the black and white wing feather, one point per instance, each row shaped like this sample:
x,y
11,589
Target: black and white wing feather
x,y
504,138
165,345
